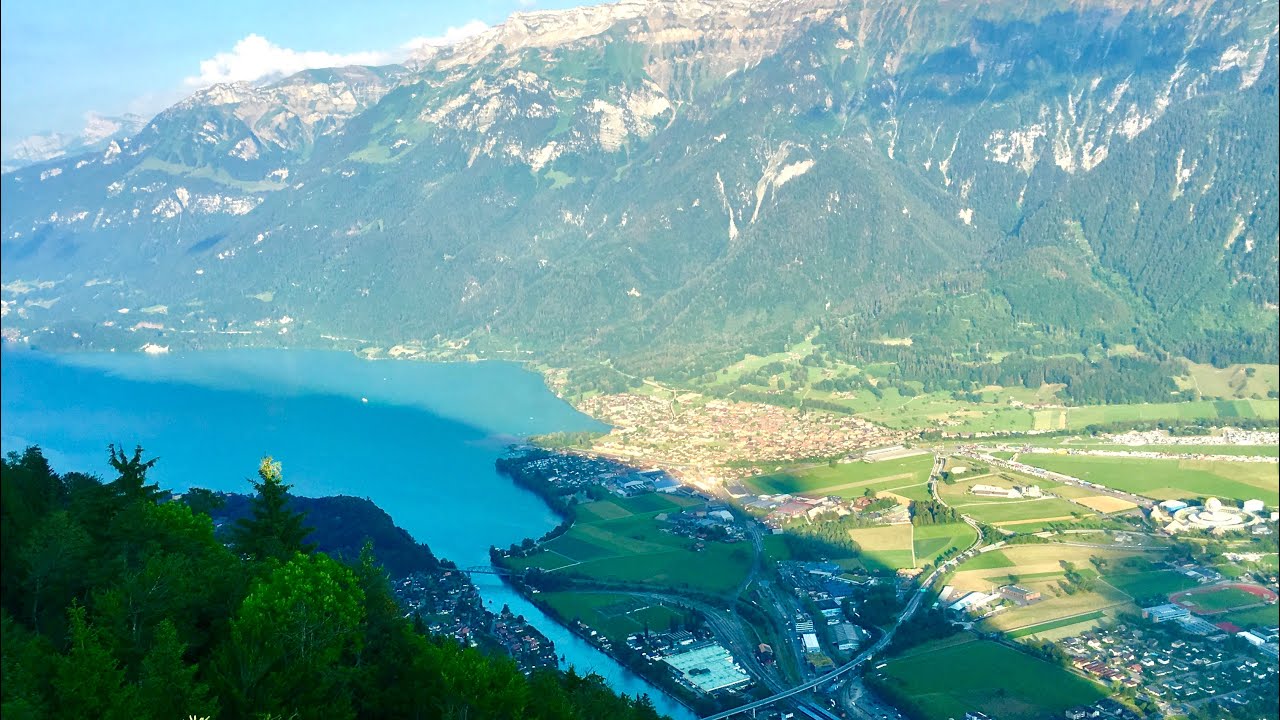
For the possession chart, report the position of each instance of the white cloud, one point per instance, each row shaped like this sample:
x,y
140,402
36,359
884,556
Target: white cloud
x,y
450,36
256,57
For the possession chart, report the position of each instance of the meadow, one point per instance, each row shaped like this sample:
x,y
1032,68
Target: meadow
x,y
905,477
942,680
1169,479
620,540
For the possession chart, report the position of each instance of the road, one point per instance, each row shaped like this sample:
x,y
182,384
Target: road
x,y
912,605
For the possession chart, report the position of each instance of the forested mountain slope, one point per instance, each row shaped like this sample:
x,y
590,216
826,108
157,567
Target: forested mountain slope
x,y
116,603
667,181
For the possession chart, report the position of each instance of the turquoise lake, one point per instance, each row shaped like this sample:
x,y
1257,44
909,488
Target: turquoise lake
x,y
418,439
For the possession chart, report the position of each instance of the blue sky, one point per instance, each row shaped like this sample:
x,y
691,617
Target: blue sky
x,y
61,60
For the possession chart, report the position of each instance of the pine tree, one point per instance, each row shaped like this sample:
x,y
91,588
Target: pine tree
x,y
273,530
132,483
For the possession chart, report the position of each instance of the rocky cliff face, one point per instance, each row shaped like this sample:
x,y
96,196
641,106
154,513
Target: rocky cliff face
x,y
661,178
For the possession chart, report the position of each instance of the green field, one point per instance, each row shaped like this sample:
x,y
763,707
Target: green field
x,y
1237,450
1149,584
1219,600
1266,616
990,560
1233,381
1071,621
614,615
620,540
930,541
889,546
907,477
946,680
1169,479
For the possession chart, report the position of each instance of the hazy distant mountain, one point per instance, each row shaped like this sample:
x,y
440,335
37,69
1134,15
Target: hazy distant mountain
x,y
98,130
662,179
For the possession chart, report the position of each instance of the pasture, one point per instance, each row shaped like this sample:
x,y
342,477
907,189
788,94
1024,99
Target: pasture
x,y
1169,479
942,680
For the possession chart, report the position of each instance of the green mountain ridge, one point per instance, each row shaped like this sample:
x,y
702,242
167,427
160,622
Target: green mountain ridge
x,y
671,182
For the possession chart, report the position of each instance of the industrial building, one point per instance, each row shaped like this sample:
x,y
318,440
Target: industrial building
x,y
708,668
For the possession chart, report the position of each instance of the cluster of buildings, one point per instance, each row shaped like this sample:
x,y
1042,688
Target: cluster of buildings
x,y
778,510
1013,493
1175,671
700,437
1225,436
712,521
976,601
448,603
1176,516
696,661
827,586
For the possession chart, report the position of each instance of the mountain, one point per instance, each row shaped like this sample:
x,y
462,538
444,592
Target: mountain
x,y
97,132
669,182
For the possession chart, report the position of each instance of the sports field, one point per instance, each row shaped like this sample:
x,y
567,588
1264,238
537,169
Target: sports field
x,y
946,680
907,477
620,540
1151,584
1169,479
615,615
1223,598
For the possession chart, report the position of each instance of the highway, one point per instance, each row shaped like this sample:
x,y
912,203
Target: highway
x,y
913,604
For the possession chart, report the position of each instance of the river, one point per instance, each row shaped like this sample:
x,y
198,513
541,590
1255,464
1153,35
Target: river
x,y
418,439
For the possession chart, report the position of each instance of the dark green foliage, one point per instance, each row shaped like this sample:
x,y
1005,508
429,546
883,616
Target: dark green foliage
x,y
120,604
272,530
932,512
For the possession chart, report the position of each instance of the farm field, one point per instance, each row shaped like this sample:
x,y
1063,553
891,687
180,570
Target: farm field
x,y
930,541
1019,515
1072,621
632,547
942,680
1053,609
1169,479
907,477
889,546
903,546
1030,564
614,615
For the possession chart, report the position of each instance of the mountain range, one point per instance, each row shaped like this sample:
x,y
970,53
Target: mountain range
x,y
669,183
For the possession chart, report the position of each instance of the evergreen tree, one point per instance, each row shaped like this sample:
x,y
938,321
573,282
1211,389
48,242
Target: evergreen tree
x,y
132,482
273,531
